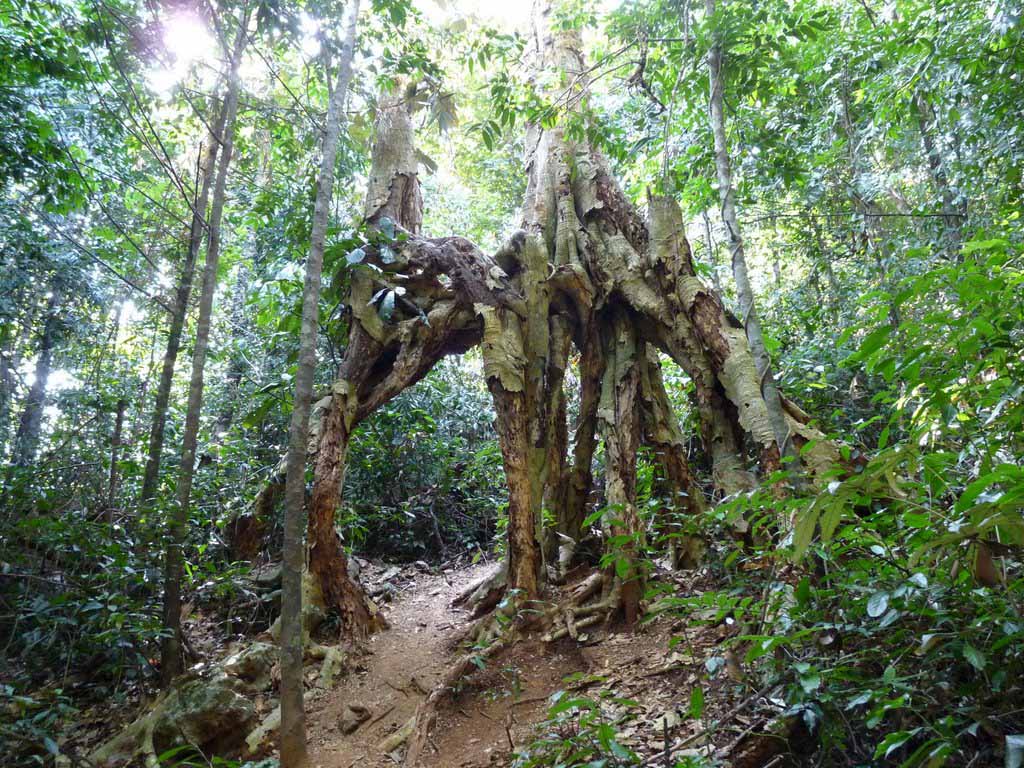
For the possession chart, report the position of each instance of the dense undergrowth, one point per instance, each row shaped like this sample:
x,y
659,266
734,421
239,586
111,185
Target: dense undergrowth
x,y
889,614
877,153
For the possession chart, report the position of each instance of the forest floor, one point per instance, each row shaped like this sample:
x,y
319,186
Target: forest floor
x,y
640,681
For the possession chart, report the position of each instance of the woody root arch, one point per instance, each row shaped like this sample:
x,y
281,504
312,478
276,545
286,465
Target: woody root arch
x,y
584,271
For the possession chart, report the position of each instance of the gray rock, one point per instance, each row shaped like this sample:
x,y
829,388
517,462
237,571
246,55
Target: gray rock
x,y
252,665
268,576
354,716
205,712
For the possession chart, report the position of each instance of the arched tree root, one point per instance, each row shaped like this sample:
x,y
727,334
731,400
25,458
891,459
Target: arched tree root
x,y
485,593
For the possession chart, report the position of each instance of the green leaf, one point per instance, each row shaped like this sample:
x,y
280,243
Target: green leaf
x,y
565,704
696,702
878,604
803,591
893,742
622,568
916,519
975,657
871,344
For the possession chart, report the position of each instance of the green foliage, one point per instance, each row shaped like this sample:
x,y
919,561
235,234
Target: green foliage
x,y
877,151
580,731
426,475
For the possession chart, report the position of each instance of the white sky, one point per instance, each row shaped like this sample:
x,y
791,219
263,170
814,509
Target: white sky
x,y
188,40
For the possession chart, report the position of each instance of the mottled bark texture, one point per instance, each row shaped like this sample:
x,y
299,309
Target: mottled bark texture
x,y
776,417
619,416
585,272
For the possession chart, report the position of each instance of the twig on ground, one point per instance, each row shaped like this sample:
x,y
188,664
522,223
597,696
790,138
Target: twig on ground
x,y
717,724
381,716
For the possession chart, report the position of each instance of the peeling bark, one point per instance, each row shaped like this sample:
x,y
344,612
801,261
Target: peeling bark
x,y
585,271
619,417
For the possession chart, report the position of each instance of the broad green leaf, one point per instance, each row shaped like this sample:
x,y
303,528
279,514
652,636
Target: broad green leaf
x,y
878,604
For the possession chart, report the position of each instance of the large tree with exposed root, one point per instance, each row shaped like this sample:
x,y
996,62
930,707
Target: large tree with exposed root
x,y
584,271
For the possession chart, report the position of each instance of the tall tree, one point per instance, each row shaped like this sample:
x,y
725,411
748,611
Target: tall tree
x,y
183,292
293,724
26,439
744,290
171,651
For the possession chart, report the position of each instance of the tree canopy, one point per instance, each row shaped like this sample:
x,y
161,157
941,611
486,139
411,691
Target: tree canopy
x,y
684,315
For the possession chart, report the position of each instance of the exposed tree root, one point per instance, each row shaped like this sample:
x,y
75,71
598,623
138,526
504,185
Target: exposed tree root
x,y
332,662
399,737
577,615
260,736
587,588
135,740
426,712
482,595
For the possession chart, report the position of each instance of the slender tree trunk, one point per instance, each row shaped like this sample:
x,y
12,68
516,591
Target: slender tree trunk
x,y
151,473
26,439
7,384
745,292
115,450
293,721
951,217
171,652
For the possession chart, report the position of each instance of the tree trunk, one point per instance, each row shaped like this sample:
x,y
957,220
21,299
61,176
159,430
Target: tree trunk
x,y
236,362
619,413
171,651
293,719
115,450
393,194
581,476
151,473
26,439
8,366
745,293
952,218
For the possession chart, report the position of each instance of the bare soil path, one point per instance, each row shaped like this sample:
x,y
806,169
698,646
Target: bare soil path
x,y
402,664
496,711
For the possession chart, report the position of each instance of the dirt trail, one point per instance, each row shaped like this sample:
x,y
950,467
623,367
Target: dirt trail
x,y
497,709
404,661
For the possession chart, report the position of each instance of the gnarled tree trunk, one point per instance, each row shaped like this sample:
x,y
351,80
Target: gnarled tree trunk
x,y
585,271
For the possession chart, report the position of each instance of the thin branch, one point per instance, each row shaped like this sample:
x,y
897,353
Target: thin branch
x,y
88,252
